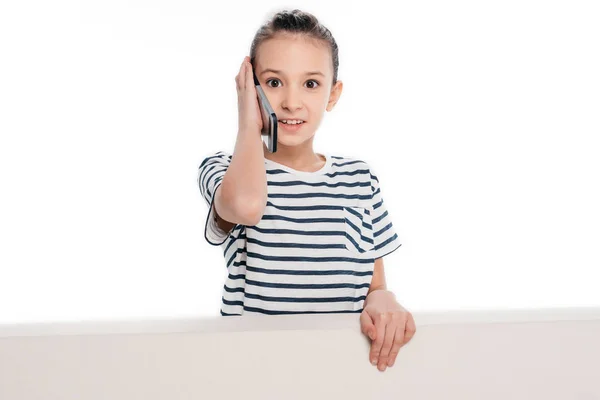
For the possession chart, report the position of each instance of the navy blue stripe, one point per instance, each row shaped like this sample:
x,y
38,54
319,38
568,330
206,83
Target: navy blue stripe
x,y
382,216
356,227
377,205
354,212
356,171
305,208
388,226
308,272
203,181
296,245
302,220
304,299
383,244
331,175
233,238
233,256
316,184
203,174
276,172
234,290
295,285
306,259
348,163
296,232
359,215
301,272
294,272
316,195
207,169
214,157
230,315
272,312
391,251
232,303
217,180
306,285
360,249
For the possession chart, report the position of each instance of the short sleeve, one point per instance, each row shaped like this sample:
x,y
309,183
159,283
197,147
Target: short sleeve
x,y
384,233
210,176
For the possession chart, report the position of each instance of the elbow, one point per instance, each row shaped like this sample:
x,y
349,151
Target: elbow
x,y
251,210
248,210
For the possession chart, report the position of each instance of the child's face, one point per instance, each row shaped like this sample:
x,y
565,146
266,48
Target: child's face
x,y
292,92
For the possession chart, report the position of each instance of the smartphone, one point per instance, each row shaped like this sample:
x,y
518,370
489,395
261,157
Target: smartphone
x,y
269,119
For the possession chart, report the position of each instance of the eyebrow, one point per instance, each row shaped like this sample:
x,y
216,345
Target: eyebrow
x,y
279,72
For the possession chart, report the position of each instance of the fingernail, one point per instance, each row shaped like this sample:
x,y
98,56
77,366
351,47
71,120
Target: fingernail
x,y
374,361
391,363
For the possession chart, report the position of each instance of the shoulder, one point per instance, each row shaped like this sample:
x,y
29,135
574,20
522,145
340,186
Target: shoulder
x,y
349,163
352,163
218,157
343,160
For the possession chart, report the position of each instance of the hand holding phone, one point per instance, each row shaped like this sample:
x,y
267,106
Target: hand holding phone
x,y
249,114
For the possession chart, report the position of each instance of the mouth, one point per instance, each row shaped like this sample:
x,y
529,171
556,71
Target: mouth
x,y
290,127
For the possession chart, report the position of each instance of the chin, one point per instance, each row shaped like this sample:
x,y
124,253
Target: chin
x,y
290,140
293,138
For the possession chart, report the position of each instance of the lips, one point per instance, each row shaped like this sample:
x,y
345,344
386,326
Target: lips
x,y
291,128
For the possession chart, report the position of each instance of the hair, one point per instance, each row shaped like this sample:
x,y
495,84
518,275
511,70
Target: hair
x,y
296,22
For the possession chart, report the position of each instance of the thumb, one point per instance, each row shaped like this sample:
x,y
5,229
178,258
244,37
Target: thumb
x,y
368,328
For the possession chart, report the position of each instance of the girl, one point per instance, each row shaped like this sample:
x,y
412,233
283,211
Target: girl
x,y
301,232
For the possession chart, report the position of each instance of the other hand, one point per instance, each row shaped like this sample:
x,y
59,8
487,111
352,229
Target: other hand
x,y
389,326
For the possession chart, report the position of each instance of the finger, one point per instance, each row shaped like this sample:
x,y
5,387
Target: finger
x,y
249,78
366,325
380,324
410,329
241,78
384,355
398,343
238,77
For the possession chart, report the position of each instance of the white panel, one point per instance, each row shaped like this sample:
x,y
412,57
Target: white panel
x,y
525,354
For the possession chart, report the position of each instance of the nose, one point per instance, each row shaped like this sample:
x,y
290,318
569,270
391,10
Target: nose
x,y
292,99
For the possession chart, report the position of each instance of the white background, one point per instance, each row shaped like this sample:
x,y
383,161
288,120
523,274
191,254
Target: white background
x,y
480,118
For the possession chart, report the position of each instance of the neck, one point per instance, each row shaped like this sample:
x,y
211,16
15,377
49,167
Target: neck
x,y
300,158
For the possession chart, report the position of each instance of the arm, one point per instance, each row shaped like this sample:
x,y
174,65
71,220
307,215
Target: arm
x,y
242,196
224,215
378,280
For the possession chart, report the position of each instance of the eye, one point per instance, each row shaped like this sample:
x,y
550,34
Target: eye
x,y
311,80
269,80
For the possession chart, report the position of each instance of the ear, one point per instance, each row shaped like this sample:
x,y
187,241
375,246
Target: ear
x,y
335,94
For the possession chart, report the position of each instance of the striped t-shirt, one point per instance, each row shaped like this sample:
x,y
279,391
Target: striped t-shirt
x,y
315,247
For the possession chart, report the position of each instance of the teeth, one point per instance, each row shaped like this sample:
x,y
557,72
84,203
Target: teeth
x,y
291,121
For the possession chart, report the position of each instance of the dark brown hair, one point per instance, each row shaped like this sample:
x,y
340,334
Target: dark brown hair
x,y
296,22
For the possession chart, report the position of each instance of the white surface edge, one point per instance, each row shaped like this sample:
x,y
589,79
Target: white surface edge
x,y
288,322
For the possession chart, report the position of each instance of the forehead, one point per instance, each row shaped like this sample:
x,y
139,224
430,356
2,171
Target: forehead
x,y
294,55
